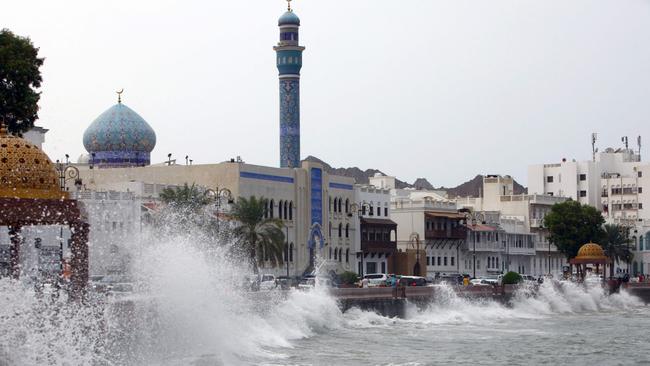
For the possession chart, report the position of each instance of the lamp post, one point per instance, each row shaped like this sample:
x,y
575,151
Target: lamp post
x,y
473,217
66,172
359,209
217,195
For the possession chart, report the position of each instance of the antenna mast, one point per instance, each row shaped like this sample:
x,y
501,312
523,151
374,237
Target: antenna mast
x,y
624,139
638,141
594,137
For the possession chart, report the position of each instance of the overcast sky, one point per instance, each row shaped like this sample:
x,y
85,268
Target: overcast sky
x,y
437,89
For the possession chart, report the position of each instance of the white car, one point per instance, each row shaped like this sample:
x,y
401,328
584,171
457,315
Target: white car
x,y
376,279
267,282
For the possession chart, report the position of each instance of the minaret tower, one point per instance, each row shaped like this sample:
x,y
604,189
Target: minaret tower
x,y
289,62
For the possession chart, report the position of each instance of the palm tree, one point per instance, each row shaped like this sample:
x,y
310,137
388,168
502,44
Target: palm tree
x,y
186,197
616,245
262,237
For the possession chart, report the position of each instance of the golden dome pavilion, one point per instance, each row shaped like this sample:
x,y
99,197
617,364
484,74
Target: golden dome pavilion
x,y
26,171
591,251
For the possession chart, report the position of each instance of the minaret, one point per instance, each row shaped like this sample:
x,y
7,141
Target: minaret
x,y
289,62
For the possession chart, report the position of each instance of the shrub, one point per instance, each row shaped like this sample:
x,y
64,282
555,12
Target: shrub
x,y
511,278
348,278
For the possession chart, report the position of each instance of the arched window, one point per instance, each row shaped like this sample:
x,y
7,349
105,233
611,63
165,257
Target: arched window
x,y
347,255
497,266
330,199
330,257
330,229
271,206
641,242
363,208
336,254
291,252
340,229
340,204
280,209
340,255
347,205
286,208
371,209
291,210
347,230
266,209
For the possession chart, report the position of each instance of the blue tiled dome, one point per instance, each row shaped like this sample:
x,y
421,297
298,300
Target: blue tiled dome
x,y
119,137
289,18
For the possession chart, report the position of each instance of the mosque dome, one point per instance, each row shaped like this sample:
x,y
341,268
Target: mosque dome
x,y
591,251
289,17
119,137
26,171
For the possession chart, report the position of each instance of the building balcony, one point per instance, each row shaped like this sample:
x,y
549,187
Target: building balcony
x,y
445,234
520,251
536,223
485,247
378,246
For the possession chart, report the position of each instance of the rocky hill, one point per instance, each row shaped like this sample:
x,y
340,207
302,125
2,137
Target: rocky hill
x,y
469,188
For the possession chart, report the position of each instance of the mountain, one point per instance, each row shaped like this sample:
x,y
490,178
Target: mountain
x,y
470,188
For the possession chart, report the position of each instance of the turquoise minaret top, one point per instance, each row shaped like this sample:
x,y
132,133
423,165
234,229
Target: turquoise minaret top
x,y
289,63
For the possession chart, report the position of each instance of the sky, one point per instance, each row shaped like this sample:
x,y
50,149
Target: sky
x,y
442,90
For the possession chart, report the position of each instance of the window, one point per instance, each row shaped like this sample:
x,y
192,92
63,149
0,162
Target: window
x,y
453,259
640,190
347,205
583,177
336,252
640,174
291,210
271,205
330,257
378,211
286,253
340,230
371,267
330,200
439,260
363,209
445,261
340,255
372,210
497,266
347,256
583,193
383,267
640,206
330,231
549,179
386,211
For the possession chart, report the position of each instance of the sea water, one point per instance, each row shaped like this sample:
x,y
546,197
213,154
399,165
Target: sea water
x,y
190,308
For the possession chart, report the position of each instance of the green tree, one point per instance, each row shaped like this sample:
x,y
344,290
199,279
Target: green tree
x,y
19,78
616,244
262,238
185,197
571,225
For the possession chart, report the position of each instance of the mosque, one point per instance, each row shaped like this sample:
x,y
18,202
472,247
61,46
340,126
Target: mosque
x,y
119,143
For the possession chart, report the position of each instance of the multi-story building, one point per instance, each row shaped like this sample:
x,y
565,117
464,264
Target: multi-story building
x,y
523,239
378,233
613,182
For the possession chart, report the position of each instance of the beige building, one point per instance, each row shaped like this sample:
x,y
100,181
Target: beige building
x,y
300,197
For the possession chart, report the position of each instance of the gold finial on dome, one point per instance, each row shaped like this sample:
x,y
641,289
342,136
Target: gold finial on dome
x,y
119,95
289,5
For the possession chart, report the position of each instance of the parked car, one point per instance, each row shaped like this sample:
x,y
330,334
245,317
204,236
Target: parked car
x,y
412,281
309,282
479,281
528,279
491,280
267,282
452,279
376,279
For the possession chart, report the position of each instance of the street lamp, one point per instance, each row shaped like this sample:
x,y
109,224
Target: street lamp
x,y
473,217
67,172
217,195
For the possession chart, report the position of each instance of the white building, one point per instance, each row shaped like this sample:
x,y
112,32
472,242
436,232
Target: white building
x,y
524,244
614,183
300,197
377,233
